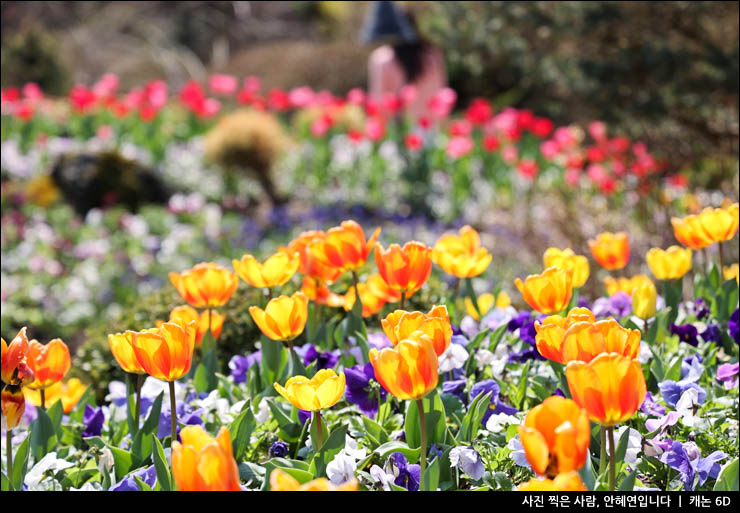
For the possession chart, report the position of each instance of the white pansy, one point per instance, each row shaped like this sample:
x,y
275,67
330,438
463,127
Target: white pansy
x,y
634,443
350,448
216,407
48,464
454,357
468,460
263,411
342,468
382,477
686,406
645,353
498,422
88,487
484,357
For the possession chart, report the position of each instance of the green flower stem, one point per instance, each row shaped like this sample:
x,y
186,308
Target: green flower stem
x,y
9,448
43,399
173,412
423,453
139,383
602,455
612,461
356,281
721,259
317,421
403,298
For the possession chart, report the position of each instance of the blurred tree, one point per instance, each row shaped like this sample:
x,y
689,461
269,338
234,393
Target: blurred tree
x,y
31,56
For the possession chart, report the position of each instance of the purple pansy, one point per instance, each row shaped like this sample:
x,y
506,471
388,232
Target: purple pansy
x,y
93,418
686,458
324,360
186,414
652,407
240,365
712,334
663,423
700,309
686,333
618,305
518,321
455,387
128,484
733,326
559,392
672,391
484,387
728,374
407,475
360,382
278,449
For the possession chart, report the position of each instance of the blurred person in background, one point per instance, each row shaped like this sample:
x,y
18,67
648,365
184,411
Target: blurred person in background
x,y
405,58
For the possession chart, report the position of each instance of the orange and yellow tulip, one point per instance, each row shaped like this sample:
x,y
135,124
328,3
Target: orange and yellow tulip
x,y
276,270
399,326
409,370
720,224
207,285
322,391
626,285
123,351
203,463
551,332
404,269
309,264
611,250
689,232
644,301
670,264
12,404
611,387
566,482
284,318
184,315
69,392
49,363
486,301
15,369
731,271
555,436
584,341
374,294
344,247
461,255
320,294
281,481
167,352
566,259
548,292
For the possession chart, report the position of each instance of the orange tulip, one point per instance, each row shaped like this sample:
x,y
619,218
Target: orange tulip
x,y
409,370
15,369
551,332
689,232
584,341
611,250
69,392
611,387
344,247
626,285
720,224
276,270
566,259
284,318
184,315
309,264
404,269
12,404
167,352
320,294
461,255
555,436
548,292
123,351
49,363
281,481
374,294
566,482
207,285
203,463
400,324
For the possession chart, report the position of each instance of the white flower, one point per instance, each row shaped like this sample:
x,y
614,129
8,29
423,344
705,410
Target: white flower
x,y
645,353
341,469
517,452
263,411
49,463
483,357
686,406
454,357
634,443
350,449
498,365
468,460
498,422
152,387
88,487
106,461
216,406
382,477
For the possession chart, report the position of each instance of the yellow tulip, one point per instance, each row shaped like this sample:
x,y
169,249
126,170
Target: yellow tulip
x,y
730,272
165,353
207,285
486,302
611,250
69,392
281,481
461,255
720,224
670,264
567,260
409,370
689,232
548,292
626,285
322,391
121,345
644,300
276,270
400,325
284,318
566,482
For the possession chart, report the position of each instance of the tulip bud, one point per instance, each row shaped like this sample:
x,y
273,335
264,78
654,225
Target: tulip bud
x,y
644,299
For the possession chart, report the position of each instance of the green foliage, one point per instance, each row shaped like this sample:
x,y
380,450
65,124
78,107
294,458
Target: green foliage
x,y
32,56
